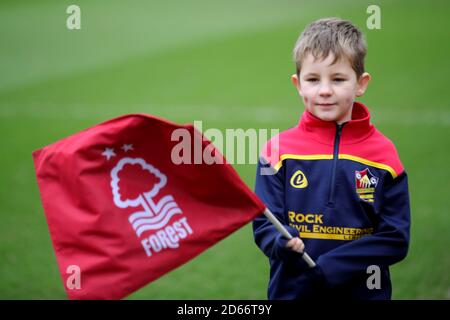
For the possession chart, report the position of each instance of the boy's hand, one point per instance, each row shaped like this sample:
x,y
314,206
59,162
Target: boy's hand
x,y
296,244
291,250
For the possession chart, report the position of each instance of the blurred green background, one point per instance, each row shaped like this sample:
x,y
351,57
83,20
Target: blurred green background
x,y
227,63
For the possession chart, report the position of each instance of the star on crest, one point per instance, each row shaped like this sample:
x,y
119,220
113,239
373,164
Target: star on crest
x,y
109,153
127,147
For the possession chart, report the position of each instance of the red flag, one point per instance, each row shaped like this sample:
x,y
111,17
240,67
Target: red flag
x,y
122,213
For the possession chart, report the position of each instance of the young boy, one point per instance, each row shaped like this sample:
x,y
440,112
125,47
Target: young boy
x,y
337,183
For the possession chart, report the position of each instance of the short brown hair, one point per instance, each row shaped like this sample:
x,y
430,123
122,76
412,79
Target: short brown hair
x,y
334,35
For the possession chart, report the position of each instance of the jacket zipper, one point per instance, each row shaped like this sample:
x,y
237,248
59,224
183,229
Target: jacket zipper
x,y
337,139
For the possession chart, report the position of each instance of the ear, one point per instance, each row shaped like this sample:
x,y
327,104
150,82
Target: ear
x,y
363,82
296,82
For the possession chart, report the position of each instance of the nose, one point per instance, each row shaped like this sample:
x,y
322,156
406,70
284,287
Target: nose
x,y
325,90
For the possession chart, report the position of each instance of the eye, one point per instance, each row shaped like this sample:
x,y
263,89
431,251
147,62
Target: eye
x,y
339,79
312,79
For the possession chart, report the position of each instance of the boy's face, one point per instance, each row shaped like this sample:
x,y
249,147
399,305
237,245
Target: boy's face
x,y
329,90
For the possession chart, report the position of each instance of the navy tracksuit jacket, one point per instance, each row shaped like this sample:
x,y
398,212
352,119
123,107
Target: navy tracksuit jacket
x,y
345,190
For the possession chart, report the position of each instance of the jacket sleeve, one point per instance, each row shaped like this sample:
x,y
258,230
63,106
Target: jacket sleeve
x,y
269,187
386,246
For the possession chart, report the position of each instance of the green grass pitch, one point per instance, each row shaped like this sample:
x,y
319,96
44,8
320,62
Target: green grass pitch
x,y
228,64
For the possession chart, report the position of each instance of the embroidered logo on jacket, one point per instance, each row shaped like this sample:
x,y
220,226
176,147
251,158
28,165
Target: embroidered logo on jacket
x,y
298,180
366,183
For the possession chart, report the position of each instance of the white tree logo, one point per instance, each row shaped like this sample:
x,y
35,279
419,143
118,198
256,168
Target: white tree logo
x,y
135,183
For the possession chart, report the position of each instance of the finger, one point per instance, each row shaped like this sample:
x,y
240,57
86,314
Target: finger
x,y
302,247
295,244
290,243
299,247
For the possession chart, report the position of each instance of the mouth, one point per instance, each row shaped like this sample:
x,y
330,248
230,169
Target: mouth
x,y
326,105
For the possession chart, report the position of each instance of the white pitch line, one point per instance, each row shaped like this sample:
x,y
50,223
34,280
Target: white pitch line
x,y
261,115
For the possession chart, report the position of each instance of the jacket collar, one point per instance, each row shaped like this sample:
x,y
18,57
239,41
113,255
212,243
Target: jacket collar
x,y
357,129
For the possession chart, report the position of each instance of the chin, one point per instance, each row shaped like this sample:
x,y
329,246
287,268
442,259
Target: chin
x,y
326,116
